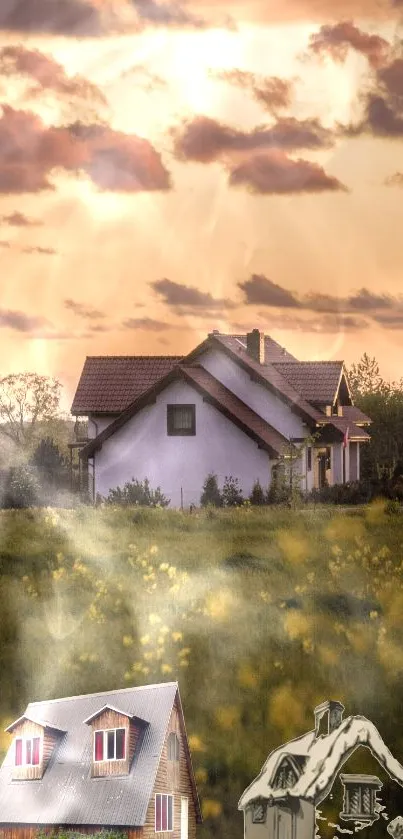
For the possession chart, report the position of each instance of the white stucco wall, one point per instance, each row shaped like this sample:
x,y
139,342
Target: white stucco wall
x,y
143,449
258,397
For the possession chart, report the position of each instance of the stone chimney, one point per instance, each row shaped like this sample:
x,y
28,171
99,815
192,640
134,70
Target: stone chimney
x,y
255,345
328,717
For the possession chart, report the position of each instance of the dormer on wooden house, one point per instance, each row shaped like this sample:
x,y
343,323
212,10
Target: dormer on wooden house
x,y
303,775
115,734
33,744
118,760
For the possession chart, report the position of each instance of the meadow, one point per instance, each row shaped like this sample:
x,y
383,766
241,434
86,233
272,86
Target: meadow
x,y
260,613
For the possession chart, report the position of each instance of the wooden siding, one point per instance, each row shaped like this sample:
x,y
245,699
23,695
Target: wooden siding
x,y
174,780
48,739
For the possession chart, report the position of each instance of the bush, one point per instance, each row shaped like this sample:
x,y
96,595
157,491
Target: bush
x,y
22,488
231,492
137,492
51,467
211,494
354,492
257,496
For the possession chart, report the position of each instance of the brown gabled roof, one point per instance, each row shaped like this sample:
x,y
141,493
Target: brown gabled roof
x,y
356,415
316,381
214,392
108,384
341,424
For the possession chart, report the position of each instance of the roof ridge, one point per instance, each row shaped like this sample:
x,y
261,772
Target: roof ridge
x,y
135,356
104,693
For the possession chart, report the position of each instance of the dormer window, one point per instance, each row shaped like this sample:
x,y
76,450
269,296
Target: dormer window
x,y
27,751
110,744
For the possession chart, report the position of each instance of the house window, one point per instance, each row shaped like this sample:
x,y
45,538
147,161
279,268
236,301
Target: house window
x,y
309,459
27,751
110,744
360,797
164,813
181,420
259,809
286,776
173,747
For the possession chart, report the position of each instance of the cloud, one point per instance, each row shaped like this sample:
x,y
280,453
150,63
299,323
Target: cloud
x,y
260,290
17,219
323,324
204,139
70,17
82,311
395,180
383,103
181,297
274,173
31,152
384,309
147,80
148,324
270,91
166,14
46,74
20,322
336,40
4,244
39,249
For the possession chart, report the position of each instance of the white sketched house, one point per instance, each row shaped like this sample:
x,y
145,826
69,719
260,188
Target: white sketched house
x,y
230,407
283,801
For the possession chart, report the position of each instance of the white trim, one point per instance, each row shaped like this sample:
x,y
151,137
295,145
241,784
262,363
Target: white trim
x,y
107,708
105,731
166,795
24,741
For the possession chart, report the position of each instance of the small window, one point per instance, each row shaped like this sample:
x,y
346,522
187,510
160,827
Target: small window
x,y
27,751
173,747
360,797
259,812
110,744
181,420
164,812
309,459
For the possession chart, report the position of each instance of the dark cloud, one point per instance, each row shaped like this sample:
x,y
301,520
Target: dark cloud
x,y
31,152
270,91
39,249
395,180
260,290
335,40
20,322
18,219
166,14
148,324
204,139
319,324
383,103
349,311
83,311
274,173
183,297
44,73
65,17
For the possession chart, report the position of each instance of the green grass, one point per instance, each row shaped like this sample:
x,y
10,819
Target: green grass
x,y
260,613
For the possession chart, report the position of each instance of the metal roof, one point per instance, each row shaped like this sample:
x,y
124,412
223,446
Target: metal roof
x,y
67,794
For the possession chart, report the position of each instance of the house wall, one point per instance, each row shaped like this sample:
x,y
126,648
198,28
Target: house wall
x,y
177,783
294,822
98,423
258,397
142,448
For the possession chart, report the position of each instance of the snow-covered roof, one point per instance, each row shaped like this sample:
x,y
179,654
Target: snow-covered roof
x,y
325,755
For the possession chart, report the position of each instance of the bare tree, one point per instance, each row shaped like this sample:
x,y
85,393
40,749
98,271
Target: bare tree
x,y
26,401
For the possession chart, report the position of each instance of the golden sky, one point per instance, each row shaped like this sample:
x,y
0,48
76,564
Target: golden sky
x,y
170,168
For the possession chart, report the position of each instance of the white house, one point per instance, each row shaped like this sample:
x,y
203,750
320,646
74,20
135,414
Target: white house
x,y
230,407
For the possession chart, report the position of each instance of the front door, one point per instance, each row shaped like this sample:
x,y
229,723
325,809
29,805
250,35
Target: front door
x,y
284,826
184,818
322,470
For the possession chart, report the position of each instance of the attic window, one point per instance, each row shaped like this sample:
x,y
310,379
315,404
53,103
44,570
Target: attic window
x,y
110,744
286,775
259,810
173,747
181,420
360,797
27,751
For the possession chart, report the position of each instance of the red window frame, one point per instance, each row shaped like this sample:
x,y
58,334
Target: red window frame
x,y
27,751
164,813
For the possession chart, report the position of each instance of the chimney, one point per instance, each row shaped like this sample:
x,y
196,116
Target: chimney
x,y
255,345
328,717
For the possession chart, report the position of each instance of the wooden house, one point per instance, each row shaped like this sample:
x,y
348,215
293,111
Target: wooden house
x,y
116,760
283,801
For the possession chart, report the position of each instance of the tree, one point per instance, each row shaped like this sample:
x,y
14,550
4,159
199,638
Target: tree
x,y
27,400
51,466
211,493
364,378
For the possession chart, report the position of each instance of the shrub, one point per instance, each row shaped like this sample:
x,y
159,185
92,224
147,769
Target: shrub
x,y
257,496
211,494
231,492
354,492
51,467
137,492
22,488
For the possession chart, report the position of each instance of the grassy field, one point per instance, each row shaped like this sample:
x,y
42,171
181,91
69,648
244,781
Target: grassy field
x,y
259,613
